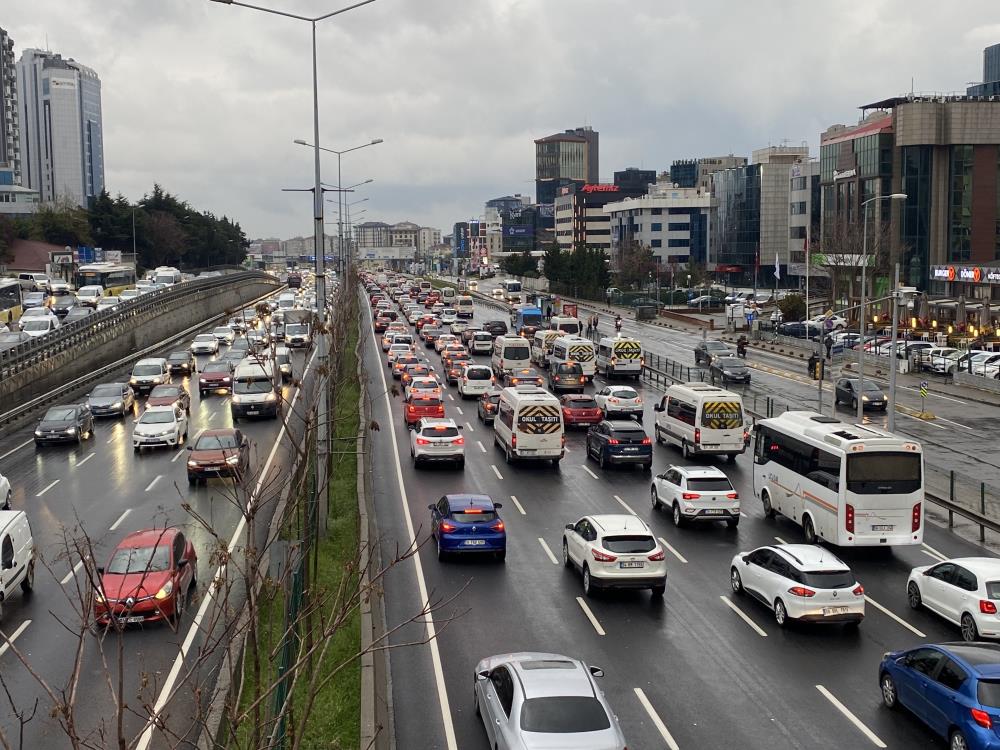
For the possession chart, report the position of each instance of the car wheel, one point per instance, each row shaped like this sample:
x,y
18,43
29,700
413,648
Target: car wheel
x,y
180,601
475,702
969,630
657,592
461,464
890,698
732,458
808,530
6,501
733,522
957,741
735,582
913,597
678,517
79,437
656,435
28,583
765,500
135,449
601,461
588,586
780,613
654,498
440,552
854,403
566,561
507,454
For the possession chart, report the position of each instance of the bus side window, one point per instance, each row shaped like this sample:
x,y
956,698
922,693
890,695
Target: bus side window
x,y
760,452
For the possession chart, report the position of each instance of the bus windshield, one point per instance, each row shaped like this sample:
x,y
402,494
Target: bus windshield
x,y
531,319
883,473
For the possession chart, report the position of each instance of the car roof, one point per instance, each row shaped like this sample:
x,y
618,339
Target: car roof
x,y
619,523
625,425
438,422
983,658
546,675
149,538
621,388
701,472
468,500
810,557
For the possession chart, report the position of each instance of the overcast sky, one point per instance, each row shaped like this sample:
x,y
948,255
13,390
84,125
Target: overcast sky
x,y
206,99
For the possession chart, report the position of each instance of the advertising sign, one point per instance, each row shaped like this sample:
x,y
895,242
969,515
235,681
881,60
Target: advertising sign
x,y
518,230
569,309
966,274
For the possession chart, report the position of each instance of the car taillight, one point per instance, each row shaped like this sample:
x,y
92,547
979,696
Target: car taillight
x,y
557,378
849,518
602,556
981,718
612,441
656,556
690,495
915,519
697,435
613,400
458,441
513,441
422,441
411,408
801,591
497,525
647,441
987,607
858,590
446,527
733,495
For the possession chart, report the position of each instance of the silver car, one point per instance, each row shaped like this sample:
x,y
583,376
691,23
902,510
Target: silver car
x,y
530,700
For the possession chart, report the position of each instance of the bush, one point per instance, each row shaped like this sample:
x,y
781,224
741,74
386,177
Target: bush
x,y
793,308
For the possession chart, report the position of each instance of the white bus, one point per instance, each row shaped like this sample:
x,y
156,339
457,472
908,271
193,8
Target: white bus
x,y
167,275
511,291
845,484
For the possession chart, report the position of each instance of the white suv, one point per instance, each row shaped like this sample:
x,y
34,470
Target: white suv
x,y
475,381
696,493
437,440
615,551
160,425
801,582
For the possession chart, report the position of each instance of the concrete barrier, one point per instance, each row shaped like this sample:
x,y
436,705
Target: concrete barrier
x,y
977,381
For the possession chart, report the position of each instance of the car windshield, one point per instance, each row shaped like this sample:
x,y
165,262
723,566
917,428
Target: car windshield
x,y
709,484
625,545
140,560
294,328
60,414
828,579
728,362
215,367
106,391
224,331
165,390
263,385
569,714
206,337
215,442
624,393
146,370
582,403
36,325
34,297
628,434
883,473
179,357
157,417
715,346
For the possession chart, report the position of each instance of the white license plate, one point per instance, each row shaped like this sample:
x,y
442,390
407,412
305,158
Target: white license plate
x,y
474,542
527,451
882,527
133,620
827,611
714,512
631,450
636,564
252,412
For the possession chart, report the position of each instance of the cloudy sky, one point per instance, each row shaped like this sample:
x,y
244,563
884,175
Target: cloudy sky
x,y
206,99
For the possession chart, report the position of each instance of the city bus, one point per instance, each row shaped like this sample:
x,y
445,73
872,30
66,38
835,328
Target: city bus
x,y
849,485
511,291
113,277
10,300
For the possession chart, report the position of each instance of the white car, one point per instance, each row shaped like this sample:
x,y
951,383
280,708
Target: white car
x,y
126,294
427,386
395,350
964,590
475,381
838,322
986,364
448,316
205,343
696,493
5,493
497,293
619,399
108,303
90,295
224,334
160,425
615,551
415,315
444,339
433,440
800,582
38,325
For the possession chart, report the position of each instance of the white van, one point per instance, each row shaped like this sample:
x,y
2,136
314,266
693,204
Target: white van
x,y
619,355
17,555
574,349
286,301
701,419
464,307
510,353
567,325
90,295
254,391
447,294
149,373
541,347
529,424
167,275
481,343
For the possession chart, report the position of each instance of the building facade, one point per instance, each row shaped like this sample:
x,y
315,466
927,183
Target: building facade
x,y
563,159
427,237
403,234
15,200
371,234
803,212
580,217
10,119
635,179
990,85
698,172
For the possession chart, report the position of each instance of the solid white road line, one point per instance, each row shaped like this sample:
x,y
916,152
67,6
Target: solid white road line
x,y
672,551
963,426
548,551
9,639
933,551
481,446
657,721
121,518
179,454
153,483
743,616
780,540
496,471
922,421
590,615
110,440
587,469
518,505
851,717
17,448
46,489
932,395
69,576
932,556
624,505
895,617
469,427
90,456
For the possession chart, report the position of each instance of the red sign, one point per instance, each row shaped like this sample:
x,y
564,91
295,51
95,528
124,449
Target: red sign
x,y
977,275
599,189
569,309
951,273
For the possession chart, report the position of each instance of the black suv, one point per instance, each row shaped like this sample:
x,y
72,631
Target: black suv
x,y
495,328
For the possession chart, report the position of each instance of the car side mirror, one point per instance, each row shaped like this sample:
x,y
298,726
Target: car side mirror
x,y
597,671
927,572
430,507
498,506
657,407
746,559
570,526
190,447
484,675
182,562
100,571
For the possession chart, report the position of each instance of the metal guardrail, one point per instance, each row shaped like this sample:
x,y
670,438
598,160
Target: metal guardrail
x,y
30,353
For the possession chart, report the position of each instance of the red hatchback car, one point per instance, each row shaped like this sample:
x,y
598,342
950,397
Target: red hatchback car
x,y
422,406
580,410
169,395
147,579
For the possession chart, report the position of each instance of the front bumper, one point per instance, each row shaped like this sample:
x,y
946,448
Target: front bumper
x,y
222,469
147,609
55,437
107,411
254,409
153,441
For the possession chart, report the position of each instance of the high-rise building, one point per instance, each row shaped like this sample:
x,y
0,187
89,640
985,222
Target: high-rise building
x,y
580,217
698,172
10,129
990,85
565,158
635,179
62,152
427,238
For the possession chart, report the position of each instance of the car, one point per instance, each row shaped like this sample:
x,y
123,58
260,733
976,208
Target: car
x,y
495,327
619,399
846,391
965,591
395,350
799,583
696,493
836,322
421,405
222,452
522,376
182,362
580,410
436,440
458,327
129,294
705,351
951,687
72,423
430,333
441,341
615,550
470,330
215,376
801,330
33,300
567,376
147,579
382,323
43,323
257,339
90,295
474,380
237,325
233,357
61,304
79,312
160,425
108,303
729,369
428,386
205,343
448,317
619,441
456,367
6,493
401,362
111,400
497,293
488,404
473,286
410,372
466,523
172,394
702,301
390,332
224,334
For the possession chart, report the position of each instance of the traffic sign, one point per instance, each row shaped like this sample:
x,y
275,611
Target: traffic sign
x,y
923,388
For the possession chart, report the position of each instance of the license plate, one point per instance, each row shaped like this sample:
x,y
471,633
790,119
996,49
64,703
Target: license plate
x,y
637,564
474,542
133,620
252,412
714,512
882,527
827,611
527,451
631,450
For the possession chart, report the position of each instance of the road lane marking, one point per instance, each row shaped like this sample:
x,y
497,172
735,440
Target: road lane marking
x,y
657,721
780,540
933,551
518,505
496,471
590,615
624,505
587,469
110,440
932,556
744,514
17,448
548,551
895,617
744,616
450,397
153,483
922,421
944,419
674,552
481,446
851,717
69,576
46,489
469,427
121,518
459,410
90,456
179,454
9,639
932,394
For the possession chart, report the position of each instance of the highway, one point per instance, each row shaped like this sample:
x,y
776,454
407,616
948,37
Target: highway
x,y
104,490
701,669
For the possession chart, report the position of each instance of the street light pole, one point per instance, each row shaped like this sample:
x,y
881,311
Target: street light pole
x,y
892,353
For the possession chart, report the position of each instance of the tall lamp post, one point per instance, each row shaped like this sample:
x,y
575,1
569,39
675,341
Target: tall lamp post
x,y
860,392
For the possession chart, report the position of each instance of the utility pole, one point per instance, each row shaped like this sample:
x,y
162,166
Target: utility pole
x,y
893,357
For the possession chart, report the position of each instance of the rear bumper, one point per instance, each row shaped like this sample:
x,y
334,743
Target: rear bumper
x,y
629,458
638,582
452,457
847,617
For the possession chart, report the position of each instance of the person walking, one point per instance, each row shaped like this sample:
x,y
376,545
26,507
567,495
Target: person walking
x,y
829,346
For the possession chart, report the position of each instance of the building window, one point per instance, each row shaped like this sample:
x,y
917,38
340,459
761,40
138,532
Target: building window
x,y
915,219
960,204
796,233
799,183
656,211
683,242
797,208
996,253
656,243
656,227
677,226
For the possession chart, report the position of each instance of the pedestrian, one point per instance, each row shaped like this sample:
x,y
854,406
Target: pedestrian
x,y
829,346
548,311
596,322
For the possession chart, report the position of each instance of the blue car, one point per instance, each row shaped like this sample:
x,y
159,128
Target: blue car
x,y
954,688
620,441
464,524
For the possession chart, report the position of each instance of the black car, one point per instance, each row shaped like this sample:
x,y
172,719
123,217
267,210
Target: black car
x,y
183,362
495,328
620,441
65,424
79,312
729,369
846,392
62,303
801,330
705,351
111,400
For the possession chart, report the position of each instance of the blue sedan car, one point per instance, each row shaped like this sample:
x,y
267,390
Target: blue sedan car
x,y
954,688
463,524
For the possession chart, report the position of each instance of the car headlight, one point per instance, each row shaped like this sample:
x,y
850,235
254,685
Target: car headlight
x,y
225,380
864,398
272,396
202,380
166,591
237,399
71,430
99,596
133,381
38,433
116,405
233,460
192,463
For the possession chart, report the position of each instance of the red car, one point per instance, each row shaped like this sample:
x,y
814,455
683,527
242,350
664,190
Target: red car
x,y
578,409
218,453
422,406
424,320
147,579
214,376
170,395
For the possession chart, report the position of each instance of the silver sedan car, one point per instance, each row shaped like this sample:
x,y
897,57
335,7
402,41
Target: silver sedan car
x,y
529,700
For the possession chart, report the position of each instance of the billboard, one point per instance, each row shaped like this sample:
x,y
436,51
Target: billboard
x,y
518,230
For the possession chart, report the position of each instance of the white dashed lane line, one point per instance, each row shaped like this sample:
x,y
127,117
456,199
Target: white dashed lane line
x,y
625,505
47,488
743,616
587,469
672,551
16,448
873,738
894,616
121,518
496,471
9,639
590,615
657,721
517,505
90,456
481,446
548,551
152,484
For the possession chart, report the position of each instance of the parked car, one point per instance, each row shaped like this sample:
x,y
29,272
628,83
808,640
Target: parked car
x,y
801,330
72,423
